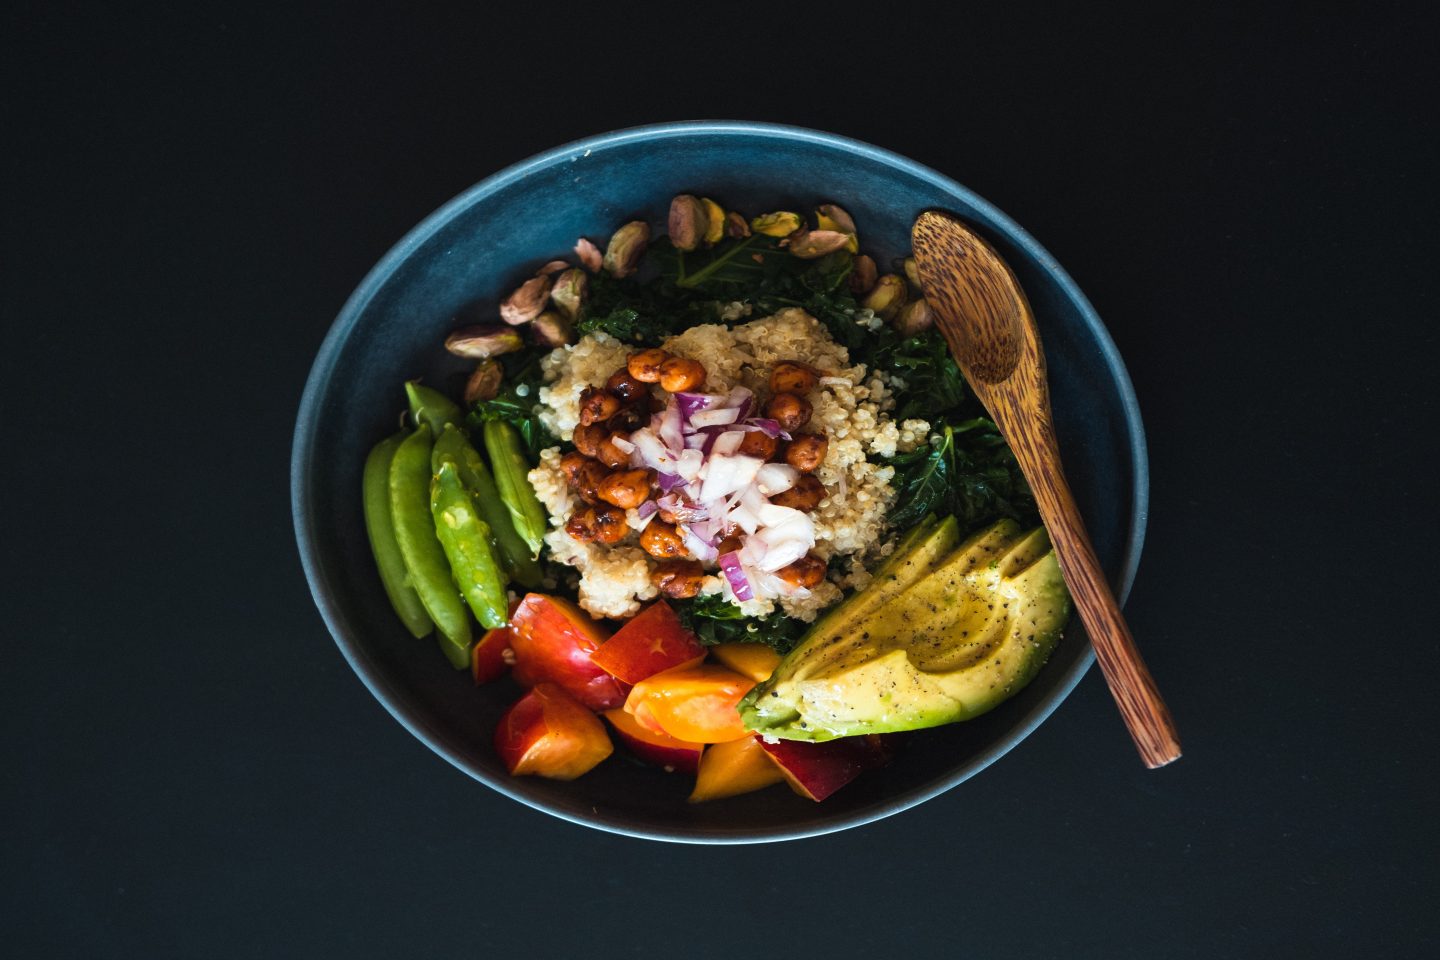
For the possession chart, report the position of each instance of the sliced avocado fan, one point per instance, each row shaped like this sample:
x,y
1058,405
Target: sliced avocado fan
x,y
941,635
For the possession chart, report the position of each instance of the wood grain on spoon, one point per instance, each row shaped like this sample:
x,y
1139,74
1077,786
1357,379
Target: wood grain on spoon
x,y
987,322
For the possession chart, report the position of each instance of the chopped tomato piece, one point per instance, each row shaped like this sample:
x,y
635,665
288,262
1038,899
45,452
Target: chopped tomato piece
x,y
492,656
732,768
652,641
753,660
660,749
548,733
696,703
553,640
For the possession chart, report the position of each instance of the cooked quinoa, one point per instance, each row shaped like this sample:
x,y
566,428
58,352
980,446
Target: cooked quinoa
x,y
849,407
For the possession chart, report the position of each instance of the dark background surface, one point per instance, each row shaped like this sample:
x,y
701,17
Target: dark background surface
x,y
192,770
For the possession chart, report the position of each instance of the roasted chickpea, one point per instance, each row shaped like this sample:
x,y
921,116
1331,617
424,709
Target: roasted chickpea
x,y
805,572
588,479
730,544
630,416
807,451
662,540
757,444
791,377
625,488
610,525
678,374
805,495
597,404
571,464
678,579
587,438
645,365
790,411
609,454
581,525
625,385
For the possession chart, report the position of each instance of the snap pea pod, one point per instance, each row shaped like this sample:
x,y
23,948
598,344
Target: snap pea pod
x,y
502,443
432,408
375,496
466,540
424,557
475,475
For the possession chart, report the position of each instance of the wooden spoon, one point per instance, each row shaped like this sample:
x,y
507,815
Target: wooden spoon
x,y
987,322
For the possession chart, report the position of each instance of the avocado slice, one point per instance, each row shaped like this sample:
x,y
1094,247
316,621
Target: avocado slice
x,y
917,553
949,646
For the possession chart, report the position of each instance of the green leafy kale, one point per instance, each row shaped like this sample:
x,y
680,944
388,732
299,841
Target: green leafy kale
x,y
716,620
516,403
966,470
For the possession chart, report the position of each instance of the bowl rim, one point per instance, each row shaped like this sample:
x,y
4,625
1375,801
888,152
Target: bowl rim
x,y
306,429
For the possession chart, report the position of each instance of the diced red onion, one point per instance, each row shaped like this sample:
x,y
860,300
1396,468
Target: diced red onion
x,y
714,418
735,576
771,428
669,481
782,552
689,464
744,518
691,403
698,548
775,478
623,445
647,508
727,475
727,443
682,509
671,429
707,530
650,452
774,515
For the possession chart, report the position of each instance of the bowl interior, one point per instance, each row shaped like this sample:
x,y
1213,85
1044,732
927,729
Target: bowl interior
x,y
480,245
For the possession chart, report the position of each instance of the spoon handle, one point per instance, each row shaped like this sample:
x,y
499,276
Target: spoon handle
x,y
1145,714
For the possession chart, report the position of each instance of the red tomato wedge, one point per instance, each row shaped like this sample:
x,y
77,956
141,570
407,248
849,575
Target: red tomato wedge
x,y
652,641
732,768
553,640
658,748
816,770
547,733
754,660
697,704
488,657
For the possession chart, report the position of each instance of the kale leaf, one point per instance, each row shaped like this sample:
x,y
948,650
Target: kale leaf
x,y
716,620
966,470
516,403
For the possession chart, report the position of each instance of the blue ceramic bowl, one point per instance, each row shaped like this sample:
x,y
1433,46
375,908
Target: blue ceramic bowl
x,y
478,246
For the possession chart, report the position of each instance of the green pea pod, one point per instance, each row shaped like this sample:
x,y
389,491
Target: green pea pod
x,y
475,475
432,408
381,529
502,443
466,539
424,557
